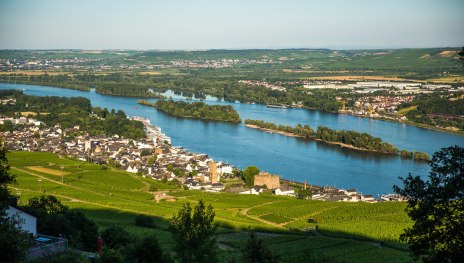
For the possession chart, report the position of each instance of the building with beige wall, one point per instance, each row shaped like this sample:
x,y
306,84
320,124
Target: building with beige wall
x,y
271,181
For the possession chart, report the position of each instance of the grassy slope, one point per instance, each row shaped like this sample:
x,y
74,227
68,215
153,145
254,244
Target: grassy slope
x,y
349,232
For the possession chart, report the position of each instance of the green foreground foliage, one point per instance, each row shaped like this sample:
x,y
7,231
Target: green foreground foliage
x,y
13,241
351,232
194,233
437,208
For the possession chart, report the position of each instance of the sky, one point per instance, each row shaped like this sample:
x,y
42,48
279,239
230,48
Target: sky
x,y
230,24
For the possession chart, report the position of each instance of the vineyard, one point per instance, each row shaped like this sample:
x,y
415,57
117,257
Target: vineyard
x,y
112,197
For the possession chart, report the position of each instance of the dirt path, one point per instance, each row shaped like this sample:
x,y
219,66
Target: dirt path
x,y
245,213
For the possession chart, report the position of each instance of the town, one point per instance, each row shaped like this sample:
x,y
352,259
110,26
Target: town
x,y
154,157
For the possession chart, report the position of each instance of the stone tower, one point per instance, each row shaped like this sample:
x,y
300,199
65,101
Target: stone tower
x,y
214,176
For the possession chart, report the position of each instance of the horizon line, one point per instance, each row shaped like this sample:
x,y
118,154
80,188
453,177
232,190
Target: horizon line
x,y
226,49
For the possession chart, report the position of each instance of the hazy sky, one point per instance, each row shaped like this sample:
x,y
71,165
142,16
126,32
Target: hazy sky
x,y
182,24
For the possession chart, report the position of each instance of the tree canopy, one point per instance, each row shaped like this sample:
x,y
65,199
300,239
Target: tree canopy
x,y
249,175
197,110
13,241
194,233
437,208
55,219
256,252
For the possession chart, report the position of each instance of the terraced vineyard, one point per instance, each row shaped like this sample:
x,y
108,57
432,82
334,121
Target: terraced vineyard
x,y
353,232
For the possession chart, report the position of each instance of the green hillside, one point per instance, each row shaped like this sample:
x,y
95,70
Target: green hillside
x,y
348,232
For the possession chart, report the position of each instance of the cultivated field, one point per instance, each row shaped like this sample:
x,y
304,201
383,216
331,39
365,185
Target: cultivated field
x,y
357,232
46,170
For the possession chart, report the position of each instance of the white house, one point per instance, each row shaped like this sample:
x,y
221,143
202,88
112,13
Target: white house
x,y
27,221
132,169
224,168
252,191
284,191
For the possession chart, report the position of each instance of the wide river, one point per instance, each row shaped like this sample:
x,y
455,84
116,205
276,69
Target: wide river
x,y
291,158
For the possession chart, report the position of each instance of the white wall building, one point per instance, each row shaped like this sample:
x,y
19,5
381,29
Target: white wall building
x,y
27,221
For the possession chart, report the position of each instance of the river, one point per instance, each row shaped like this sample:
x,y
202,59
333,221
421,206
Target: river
x,y
291,158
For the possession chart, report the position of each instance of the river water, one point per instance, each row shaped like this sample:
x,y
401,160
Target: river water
x,y
291,158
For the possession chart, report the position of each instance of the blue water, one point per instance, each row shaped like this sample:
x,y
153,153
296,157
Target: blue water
x,y
291,158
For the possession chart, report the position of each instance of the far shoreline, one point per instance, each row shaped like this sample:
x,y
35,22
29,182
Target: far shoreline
x,y
381,118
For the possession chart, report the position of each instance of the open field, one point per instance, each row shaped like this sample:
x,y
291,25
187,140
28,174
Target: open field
x,y
33,72
47,170
151,73
448,79
351,232
406,110
359,78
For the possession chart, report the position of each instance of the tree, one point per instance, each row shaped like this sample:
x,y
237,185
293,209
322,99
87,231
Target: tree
x,y
151,160
115,237
109,255
147,250
194,233
54,219
437,208
5,179
256,252
249,175
304,194
13,241
144,221
45,205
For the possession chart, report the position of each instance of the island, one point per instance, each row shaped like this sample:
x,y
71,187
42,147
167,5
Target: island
x,y
347,139
195,110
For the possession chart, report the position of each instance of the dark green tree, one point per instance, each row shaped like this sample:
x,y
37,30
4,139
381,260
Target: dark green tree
x,y
145,221
109,255
147,250
304,194
5,179
45,205
54,219
256,252
194,233
13,241
115,237
437,208
249,175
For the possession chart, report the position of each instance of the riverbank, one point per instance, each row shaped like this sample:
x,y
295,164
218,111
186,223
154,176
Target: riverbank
x,y
241,146
411,123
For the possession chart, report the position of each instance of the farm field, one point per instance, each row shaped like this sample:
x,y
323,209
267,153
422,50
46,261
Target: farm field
x,y
348,232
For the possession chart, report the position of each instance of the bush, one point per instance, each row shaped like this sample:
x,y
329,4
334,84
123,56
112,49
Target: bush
x,y
115,237
144,221
153,188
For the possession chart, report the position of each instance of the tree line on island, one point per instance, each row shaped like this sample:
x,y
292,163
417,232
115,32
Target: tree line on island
x,y
350,139
196,110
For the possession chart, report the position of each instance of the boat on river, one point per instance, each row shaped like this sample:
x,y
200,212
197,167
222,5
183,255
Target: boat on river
x,y
276,106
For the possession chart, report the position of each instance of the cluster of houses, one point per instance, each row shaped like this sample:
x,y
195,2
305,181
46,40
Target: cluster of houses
x,y
265,84
154,157
340,195
379,104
